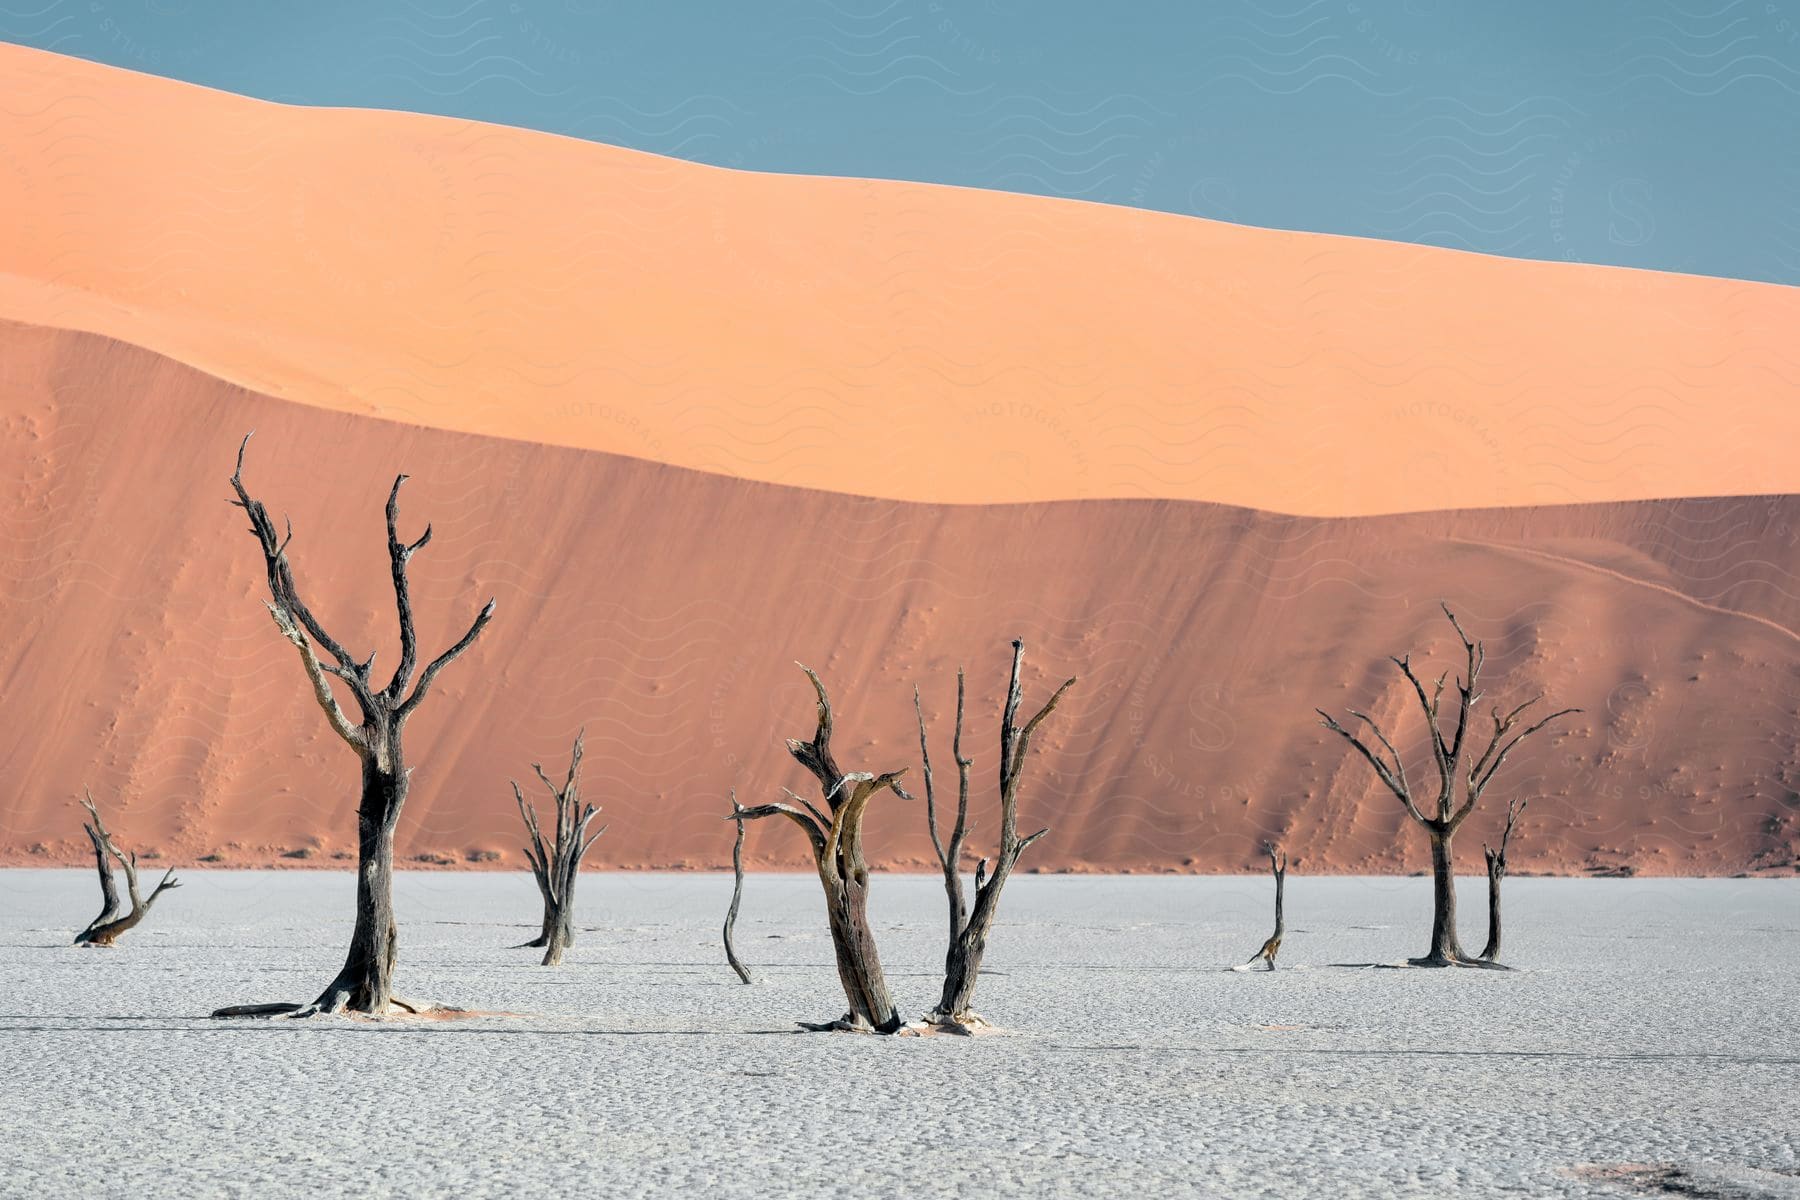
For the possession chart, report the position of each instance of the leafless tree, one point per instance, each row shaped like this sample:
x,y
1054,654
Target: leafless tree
x,y
557,863
969,928
836,837
737,890
1496,867
1448,754
1272,947
108,927
366,982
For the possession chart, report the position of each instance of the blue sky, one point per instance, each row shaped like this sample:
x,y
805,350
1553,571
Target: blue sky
x,y
1634,132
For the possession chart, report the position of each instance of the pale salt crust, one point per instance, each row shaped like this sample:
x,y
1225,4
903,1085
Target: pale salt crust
x,y
1652,1022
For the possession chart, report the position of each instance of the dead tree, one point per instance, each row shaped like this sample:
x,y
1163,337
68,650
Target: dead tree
x,y
737,890
556,864
836,837
108,927
1448,754
1272,947
969,927
1496,867
366,982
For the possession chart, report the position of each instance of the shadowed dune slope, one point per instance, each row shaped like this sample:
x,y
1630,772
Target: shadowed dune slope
x,y
882,339
662,609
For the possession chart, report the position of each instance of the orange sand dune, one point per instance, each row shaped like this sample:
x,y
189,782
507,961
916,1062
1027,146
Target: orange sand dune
x,y
882,339
662,608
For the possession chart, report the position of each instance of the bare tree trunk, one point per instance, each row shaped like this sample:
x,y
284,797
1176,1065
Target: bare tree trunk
x,y
1445,949
1496,871
969,929
557,863
107,928
365,984
1448,753
835,834
858,962
1272,947
737,893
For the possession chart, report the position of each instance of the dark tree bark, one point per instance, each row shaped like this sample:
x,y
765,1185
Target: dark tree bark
x,y
737,891
1448,754
835,834
107,928
969,928
1496,870
366,982
557,863
1272,947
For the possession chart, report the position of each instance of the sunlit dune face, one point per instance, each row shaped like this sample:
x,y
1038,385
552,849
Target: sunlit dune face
x,y
893,340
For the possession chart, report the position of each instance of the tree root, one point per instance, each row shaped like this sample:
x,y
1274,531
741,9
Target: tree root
x,y
1480,964
851,1023
337,1003
968,1024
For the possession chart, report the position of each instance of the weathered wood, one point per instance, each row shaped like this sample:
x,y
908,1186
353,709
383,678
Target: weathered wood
x,y
107,928
1496,871
556,864
1272,947
365,982
969,927
836,837
1448,755
737,890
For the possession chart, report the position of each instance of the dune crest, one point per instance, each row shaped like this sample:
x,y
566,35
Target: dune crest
x,y
893,340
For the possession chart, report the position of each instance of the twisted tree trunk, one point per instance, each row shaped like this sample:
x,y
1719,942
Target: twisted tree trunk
x,y
1272,947
107,928
365,983
835,834
1496,871
969,928
1446,817
737,891
557,864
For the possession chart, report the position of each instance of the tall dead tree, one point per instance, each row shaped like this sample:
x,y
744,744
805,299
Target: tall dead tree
x,y
1448,754
556,863
1272,947
1496,868
366,982
836,837
969,927
737,890
108,927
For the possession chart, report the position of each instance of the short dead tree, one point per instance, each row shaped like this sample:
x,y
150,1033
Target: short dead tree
x,y
836,837
1272,947
1496,865
108,927
556,863
365,984
969,927
1448,754
737,890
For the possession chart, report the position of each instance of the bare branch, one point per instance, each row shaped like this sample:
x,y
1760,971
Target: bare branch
x,y
814,834
398,554
1479,785
429,674
815,755
1382,770
315,674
